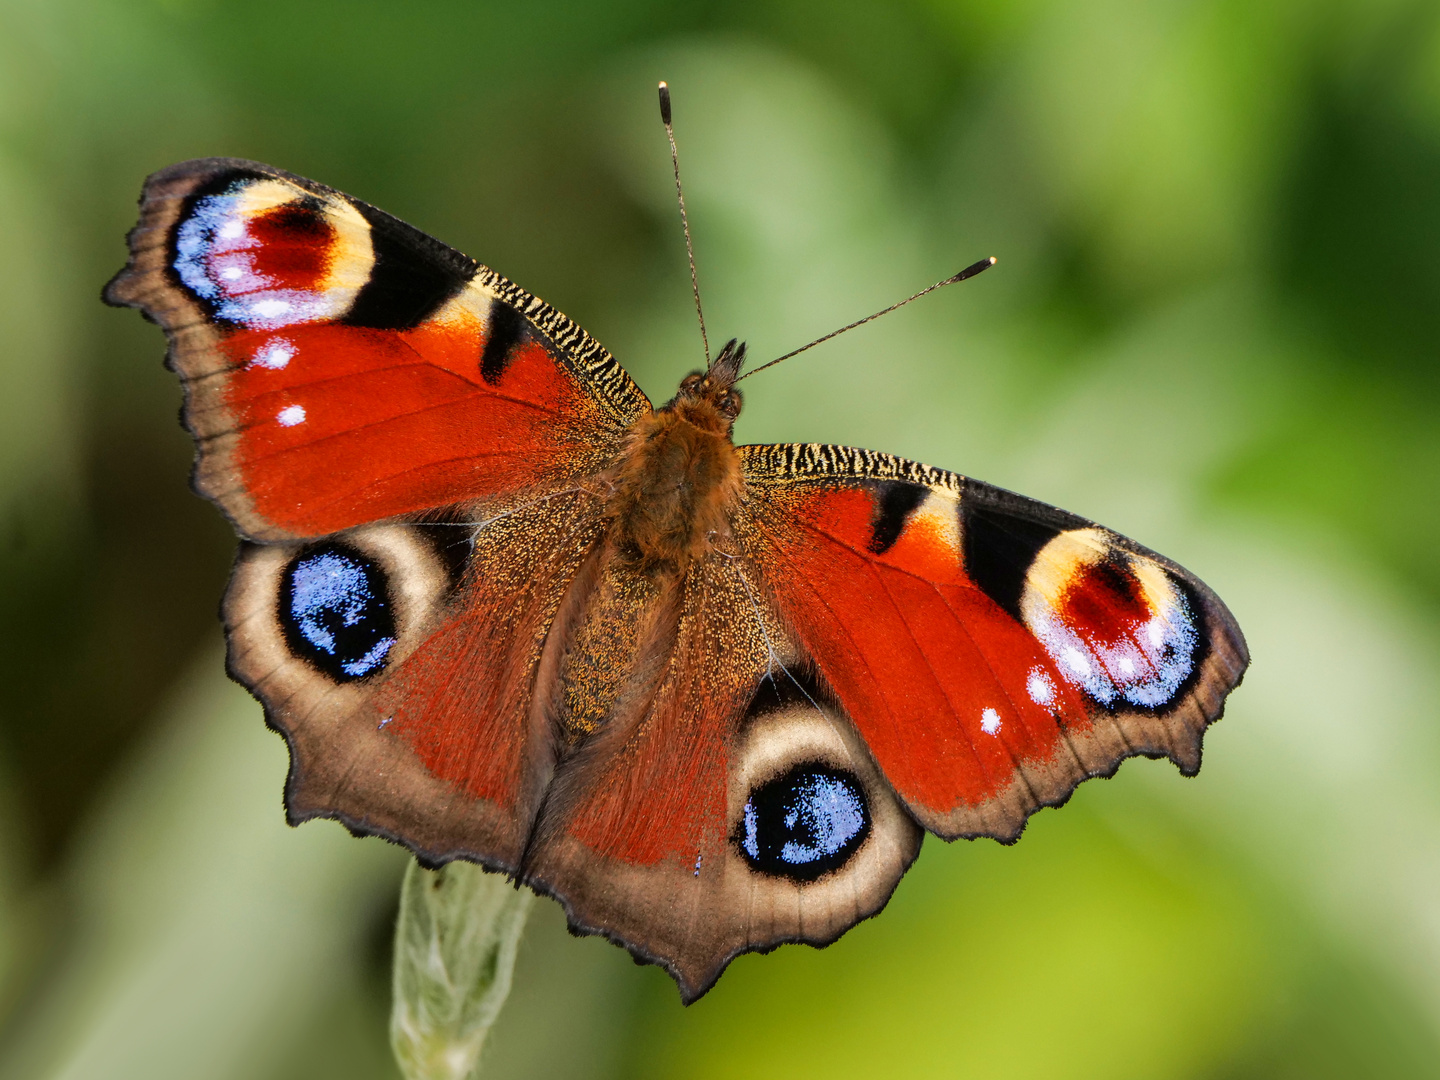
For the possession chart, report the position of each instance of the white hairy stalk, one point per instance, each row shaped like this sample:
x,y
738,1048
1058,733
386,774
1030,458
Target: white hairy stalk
x,y
455,944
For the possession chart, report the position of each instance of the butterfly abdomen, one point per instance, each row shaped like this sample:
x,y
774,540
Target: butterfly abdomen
x,y
674,487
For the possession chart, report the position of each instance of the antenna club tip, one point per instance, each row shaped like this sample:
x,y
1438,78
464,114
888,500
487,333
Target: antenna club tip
x,y
973,269
665,103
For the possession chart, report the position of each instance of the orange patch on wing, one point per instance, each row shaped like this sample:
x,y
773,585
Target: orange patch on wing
x,y
929,545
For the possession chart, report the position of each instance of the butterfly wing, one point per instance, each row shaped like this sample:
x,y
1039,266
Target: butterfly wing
x,y
341,367
887,644
407,437
733,813
992,651
398,661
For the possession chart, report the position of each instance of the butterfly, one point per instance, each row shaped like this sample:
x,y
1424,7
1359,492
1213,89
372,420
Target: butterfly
x,y
709,697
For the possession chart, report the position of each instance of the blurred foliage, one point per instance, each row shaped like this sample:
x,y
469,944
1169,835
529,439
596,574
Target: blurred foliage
x,y
1214,326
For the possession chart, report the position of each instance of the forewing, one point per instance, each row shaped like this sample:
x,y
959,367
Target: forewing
x,y
992,651
341,367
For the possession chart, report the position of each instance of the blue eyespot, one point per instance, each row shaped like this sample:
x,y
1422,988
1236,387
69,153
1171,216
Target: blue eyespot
x,y
805,823
336,613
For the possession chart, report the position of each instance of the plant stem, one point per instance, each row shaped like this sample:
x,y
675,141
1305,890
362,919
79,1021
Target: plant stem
x,y
455,944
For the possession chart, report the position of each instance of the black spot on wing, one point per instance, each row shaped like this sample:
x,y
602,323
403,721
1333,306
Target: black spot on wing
x,y
783,688
504,330
999,551
804,824
335,610
896,502
453,542
1002,533
413,276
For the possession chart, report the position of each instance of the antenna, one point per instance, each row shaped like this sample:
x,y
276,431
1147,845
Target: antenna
x,y
969,272
684,220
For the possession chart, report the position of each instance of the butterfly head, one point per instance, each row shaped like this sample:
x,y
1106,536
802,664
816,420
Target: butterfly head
x,y
708,398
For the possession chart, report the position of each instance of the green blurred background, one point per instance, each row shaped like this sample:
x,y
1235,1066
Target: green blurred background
x,y
1214,327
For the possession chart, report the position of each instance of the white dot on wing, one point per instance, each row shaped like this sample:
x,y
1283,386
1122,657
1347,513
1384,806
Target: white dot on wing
x,y
1039,687
990,721
231,229
269,309
275,355
291,415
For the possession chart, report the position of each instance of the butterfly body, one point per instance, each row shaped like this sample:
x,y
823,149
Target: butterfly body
x,y
501,608
679,480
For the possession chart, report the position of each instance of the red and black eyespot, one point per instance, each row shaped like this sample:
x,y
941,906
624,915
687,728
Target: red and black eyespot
x,y
293,244
272,267
1104,600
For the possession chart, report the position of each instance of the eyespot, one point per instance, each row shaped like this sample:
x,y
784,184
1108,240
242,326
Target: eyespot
x,y
1117,625
260,252
804,824
336,611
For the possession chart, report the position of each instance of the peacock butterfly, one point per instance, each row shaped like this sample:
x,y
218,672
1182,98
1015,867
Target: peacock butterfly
x,y
709,697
